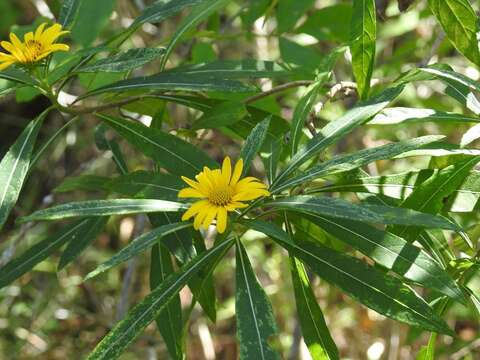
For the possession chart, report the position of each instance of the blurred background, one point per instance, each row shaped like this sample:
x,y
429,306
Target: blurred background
x,y
50,315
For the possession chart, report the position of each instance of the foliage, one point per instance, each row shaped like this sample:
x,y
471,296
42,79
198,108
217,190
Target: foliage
x,y
402,243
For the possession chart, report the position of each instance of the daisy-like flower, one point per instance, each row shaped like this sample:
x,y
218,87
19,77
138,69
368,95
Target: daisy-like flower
x,y
35,46
220,191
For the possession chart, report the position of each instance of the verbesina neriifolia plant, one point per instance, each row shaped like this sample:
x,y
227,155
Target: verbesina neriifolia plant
x,y
300,196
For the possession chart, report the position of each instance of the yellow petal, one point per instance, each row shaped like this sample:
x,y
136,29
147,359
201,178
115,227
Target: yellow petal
x,y
212,212
191,182
250,195
221,220
227,169
39,31
28,37
235,205
6,64
59,47
237,172
51,34
194,209
200,217
190,193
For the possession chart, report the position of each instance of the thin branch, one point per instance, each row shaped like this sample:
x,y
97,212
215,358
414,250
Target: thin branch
x,y
278,89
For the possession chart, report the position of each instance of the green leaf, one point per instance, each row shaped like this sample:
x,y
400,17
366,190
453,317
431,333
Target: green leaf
x,y
314,329
364,34
430,195
200,12
75,247
330,23
150,308
460,23
167,81
255,320
169,321
428,352
17,75
124,61
342,209
271,153
342,163
336,129
391,251
234,69
171,152
179,243
162,10
253,143
147,185
104,208
110,145
400,115
15,165
91,18
301,114
68,12
40,251
446,75
383,293
224,114
83,182
290,11
137,246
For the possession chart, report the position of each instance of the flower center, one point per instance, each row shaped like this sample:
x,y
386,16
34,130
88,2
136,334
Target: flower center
x,y
34,48
221,196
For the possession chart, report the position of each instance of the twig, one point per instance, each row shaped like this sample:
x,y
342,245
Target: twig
x,y
278,89
433,50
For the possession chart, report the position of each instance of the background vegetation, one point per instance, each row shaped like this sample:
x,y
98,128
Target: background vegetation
x,y
51,314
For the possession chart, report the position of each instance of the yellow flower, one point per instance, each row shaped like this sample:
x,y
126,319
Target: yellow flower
x,y
35,46
220,191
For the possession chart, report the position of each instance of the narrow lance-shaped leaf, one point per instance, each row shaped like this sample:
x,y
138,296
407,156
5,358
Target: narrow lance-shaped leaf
x,y
339,128
393,252
199,13
342,163
383,293
150,308
235,69
17,75
342,209
255,320
40,251
401,115
104,208
314,329
430,195
460,23
254,142
172,153
160,11
15,165
301,114
137,246
68,12
169,321
147,185
173,82
124,61
364,34
77,245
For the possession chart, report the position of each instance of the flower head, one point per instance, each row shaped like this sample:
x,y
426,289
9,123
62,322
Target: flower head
x,y
220,191
35,46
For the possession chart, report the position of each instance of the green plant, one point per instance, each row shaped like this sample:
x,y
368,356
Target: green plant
x,y
393,220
